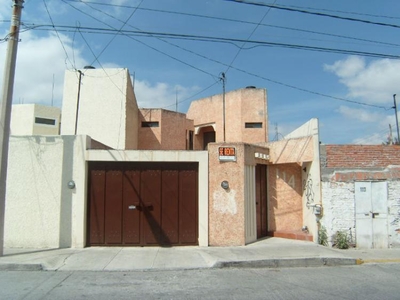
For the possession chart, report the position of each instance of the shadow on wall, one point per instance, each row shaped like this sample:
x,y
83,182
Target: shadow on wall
x,y
65,229
148,131
285,211
205,136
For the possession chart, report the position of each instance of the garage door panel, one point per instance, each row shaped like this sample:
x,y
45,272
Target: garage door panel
x,y
113,207
131,207
188,218
170,206
151,202
96,204
143,204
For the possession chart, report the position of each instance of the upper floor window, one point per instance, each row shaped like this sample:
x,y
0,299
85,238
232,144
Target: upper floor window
x,y
253,125
150,124
45,121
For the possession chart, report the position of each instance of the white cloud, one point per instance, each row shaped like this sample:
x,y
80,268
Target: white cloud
x,y
38,60
374,82
372,139
161,95
360,114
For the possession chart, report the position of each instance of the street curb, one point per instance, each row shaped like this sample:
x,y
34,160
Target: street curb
x,y
381,260
288,263
21,267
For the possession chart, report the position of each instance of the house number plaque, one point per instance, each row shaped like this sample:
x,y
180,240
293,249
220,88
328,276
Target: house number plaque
x,y
227,153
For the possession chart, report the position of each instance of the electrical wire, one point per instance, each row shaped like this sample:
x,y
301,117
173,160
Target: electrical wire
x,y
240,21
153,48
275,81
248,38
59,38
256,43
286,8
293,6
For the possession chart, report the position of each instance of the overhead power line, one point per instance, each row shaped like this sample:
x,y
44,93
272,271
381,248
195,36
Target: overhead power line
x,y
293,6
256,43
244,21
251,34
287,8
123,33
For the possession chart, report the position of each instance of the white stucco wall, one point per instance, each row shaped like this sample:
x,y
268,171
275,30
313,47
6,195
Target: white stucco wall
x,y
104,99
394,213
339,210
41,212
23,119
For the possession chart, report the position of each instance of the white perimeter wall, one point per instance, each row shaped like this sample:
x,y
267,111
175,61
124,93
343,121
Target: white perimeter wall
x,y
41,211
339,210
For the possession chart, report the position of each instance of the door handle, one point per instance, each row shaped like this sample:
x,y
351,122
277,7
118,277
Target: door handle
x,y
133,207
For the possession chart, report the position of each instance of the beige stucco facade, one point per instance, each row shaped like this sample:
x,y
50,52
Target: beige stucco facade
x,y
101,103
245,117
295,166
109,119
41,211
35,119
232,219
161,129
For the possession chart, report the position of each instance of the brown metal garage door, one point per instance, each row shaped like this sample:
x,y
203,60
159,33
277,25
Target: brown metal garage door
x,y
142,204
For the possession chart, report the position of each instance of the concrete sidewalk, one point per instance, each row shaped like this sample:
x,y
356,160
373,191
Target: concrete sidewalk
x,y
270,252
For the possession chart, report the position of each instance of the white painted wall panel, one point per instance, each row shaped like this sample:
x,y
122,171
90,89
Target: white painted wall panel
x,y
41,212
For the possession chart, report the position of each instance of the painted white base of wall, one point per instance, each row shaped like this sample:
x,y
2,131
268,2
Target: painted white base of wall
x,y
339,210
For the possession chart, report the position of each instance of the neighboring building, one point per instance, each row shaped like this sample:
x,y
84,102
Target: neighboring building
x,y
146,186
101,103
237,116
34,119
360,192
161,129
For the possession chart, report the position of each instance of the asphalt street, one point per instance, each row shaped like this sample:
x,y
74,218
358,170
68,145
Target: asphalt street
x,y
372,281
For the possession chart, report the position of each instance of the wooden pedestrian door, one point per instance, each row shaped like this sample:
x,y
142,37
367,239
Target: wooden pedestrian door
x,y
143,204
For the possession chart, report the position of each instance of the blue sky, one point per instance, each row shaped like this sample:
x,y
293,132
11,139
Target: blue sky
x,y
166,69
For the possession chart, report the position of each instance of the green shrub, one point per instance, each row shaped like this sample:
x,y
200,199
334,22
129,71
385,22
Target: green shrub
x,y
322,236
341,240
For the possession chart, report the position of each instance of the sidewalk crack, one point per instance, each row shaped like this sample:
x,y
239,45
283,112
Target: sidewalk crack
x,y
112,259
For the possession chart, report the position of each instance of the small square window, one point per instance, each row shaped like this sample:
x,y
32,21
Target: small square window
x,y
150,124
45,121
253,125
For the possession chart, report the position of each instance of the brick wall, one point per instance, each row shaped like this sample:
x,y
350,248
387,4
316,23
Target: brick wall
x,y
361,156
